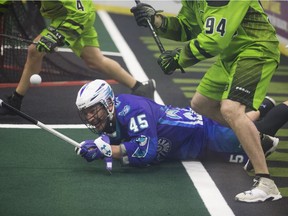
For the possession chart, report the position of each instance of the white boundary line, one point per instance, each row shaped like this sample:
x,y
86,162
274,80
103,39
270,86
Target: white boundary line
x,y
128,56
32,126
208,191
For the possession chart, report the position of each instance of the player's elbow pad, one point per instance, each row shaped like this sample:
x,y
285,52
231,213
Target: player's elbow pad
x,y
141,162
140,156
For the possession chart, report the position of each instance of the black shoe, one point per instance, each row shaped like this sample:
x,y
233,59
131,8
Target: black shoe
x,y
13,100
146,89
267,104
269,145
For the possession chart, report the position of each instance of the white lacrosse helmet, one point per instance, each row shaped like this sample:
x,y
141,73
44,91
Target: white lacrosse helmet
x,y
95,92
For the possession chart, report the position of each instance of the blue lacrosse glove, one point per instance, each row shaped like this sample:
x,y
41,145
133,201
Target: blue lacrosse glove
x,y
143,12
95,149
50,41
168,61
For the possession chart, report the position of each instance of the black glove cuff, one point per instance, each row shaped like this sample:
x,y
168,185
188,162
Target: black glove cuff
x,y
58,35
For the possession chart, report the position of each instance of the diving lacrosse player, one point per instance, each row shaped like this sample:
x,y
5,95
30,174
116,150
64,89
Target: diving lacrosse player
x,y
240,35
142,132
72,25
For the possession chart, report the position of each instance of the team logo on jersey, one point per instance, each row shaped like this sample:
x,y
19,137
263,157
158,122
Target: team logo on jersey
x,y
173,114
117,102
142,150
163,148
124,111
142,140
238,88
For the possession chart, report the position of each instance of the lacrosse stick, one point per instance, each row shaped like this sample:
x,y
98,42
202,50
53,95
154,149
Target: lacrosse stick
x,y
108,160
155,36
11,37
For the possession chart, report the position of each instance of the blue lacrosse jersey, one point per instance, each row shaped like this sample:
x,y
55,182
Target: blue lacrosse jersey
x,y
151,133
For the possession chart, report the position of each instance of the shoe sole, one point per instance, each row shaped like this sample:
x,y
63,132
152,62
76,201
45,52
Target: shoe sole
x,y
270,151
269,198
274,147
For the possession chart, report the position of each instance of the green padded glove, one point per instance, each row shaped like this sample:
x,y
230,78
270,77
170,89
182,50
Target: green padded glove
x,y
168,61
50,41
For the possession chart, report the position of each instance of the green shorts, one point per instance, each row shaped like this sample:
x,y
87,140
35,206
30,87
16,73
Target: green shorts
x,y
246,80
88,36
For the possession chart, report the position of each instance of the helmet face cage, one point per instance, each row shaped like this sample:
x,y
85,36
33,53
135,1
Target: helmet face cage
x,y
97,99
95,118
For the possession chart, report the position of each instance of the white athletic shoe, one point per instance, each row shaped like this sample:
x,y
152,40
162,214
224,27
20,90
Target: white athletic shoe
x,y
263,189
269,145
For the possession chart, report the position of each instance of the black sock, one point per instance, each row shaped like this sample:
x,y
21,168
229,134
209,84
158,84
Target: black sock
x,y
18,96
136,85
259,175
265,107
274,120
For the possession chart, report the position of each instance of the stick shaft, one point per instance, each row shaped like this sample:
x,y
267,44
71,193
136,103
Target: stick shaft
x,y
156,37
40,124
58,134
18,39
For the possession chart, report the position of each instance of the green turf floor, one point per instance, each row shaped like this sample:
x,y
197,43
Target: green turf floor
x,y
41,175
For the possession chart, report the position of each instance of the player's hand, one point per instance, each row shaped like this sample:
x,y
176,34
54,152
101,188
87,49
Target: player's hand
x,y
143,12
168,61
50,41
95,149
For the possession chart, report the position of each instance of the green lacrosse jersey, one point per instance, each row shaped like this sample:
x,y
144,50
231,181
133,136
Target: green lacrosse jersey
x,y
74,14
226,28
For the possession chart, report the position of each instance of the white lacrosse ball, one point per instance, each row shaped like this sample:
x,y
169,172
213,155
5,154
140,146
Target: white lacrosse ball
x,y
35,79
